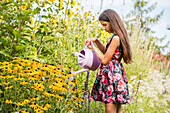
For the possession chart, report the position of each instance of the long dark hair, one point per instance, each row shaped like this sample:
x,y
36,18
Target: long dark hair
x,y
111,16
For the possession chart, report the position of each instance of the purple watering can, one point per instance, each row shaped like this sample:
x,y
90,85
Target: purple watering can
x,y
87,59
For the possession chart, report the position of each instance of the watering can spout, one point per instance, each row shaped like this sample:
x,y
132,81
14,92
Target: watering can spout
x,y
79,71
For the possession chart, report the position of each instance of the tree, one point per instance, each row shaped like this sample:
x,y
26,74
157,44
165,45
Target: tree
x,y
141,12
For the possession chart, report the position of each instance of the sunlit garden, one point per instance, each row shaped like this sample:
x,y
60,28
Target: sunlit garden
x,y
38,39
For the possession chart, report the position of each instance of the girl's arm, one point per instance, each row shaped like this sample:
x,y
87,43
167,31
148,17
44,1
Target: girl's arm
x,y
110,51
100,46
98,43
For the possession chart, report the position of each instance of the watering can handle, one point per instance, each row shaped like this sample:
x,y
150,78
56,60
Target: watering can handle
x,y
87,45
79,54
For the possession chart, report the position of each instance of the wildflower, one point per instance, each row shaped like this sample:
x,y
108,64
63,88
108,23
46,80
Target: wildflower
x,y
70,13
73,2
20,104
47,94
35,98
74,90
38,111
9,87
18,78
26,101
78,35
3,76
24,6
35,54
31,21
8,101
38,86
1,91
48,105
52,1
55,56
24,82
1,1
77,8
24,111
10,76
61,4
6,83
33,105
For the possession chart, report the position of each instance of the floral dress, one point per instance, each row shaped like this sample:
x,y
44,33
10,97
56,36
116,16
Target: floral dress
x,y
111,85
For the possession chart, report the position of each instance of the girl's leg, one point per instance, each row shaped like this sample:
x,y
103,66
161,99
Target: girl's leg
x,y
110,108
119,108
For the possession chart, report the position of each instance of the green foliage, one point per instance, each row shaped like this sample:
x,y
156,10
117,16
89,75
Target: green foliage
x,y
141,13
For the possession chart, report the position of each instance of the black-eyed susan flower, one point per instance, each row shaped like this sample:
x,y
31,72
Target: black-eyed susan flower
x,y
20,104
73,2
52,1
1,1
38,111
24,111
8,87
48,105
33,105
24,6
24,82
61,4
35,98
8,101
6,83
26,101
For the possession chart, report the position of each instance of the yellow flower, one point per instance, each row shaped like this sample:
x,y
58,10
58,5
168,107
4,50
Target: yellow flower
x,y
78,35
24,111
26,101
20,103
52,1
24,6
70,13
55,56
54,21
38,111
8,101
0,91
73,2
34,105
9,87
47,94
35,54
31,21
61,4
6,83
35,98
1,1
24,82
16,9
77,8
48,105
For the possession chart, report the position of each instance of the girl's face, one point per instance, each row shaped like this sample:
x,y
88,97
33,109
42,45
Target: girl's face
x,y
106,26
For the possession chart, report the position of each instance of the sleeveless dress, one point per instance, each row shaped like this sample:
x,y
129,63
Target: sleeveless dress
x,y
111,85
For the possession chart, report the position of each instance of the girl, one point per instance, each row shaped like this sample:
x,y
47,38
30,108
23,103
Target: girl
x,y
111,85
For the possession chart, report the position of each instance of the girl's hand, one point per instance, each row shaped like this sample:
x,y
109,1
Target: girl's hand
x,y
90,40
91,45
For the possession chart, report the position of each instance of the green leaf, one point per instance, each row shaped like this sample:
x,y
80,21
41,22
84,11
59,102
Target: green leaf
x,y
5,53
21,47
33,49
41,56
49,38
